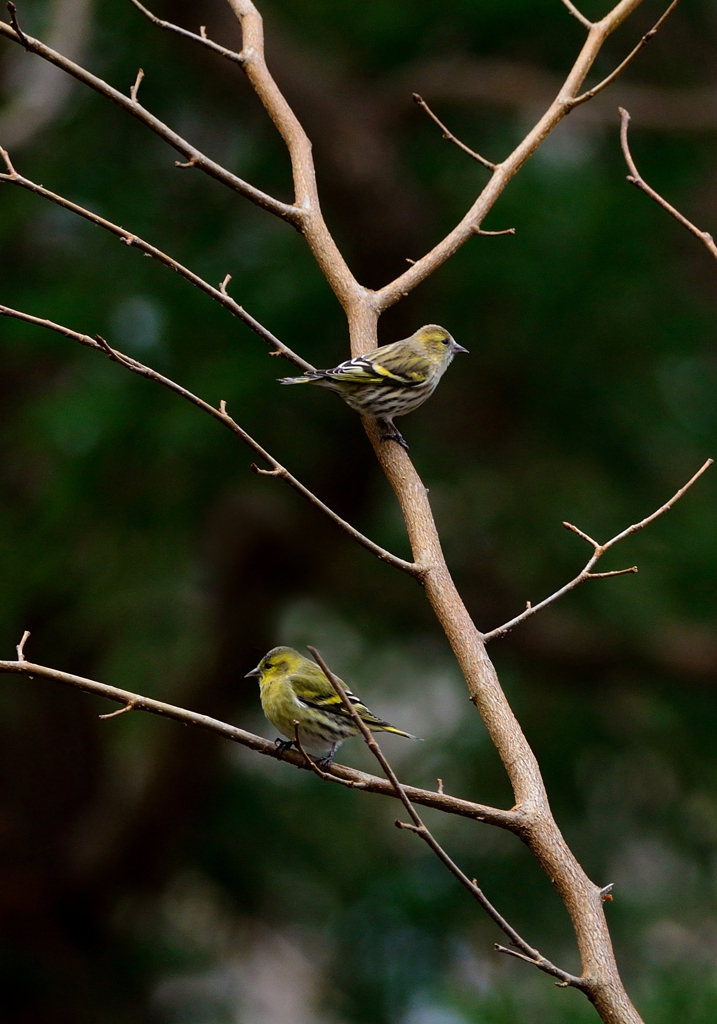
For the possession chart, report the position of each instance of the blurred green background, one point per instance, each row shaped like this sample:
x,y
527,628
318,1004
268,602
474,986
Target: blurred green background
x,y
153,873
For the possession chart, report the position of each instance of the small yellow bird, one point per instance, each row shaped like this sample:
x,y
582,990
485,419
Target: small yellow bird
x,y
392,380
294,689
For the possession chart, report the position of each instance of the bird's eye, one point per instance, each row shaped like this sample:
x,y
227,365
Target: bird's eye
x,y
268,664
444,341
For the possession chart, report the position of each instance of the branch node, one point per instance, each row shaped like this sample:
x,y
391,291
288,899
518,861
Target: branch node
x,y
192,162
135,88
223,407
203,31
223,285
15,24
20,648
440,786
589,93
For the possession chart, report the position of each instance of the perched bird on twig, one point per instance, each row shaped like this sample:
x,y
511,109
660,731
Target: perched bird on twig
x,y
294,689
392,380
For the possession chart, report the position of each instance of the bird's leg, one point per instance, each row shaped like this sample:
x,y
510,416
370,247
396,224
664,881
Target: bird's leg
x,y
389,432
326,761
282,746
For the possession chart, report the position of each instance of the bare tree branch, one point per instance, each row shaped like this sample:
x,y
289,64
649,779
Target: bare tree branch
x,y
576,14
518,87
531,955
538,829
561,105
635,179
43,90
285,211
509,820
588,95
236,58
21,646
598,551
449,136
220,414
311,222
129,238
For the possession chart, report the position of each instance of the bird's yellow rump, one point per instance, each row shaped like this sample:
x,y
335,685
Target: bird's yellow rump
x,y
392,380
294,689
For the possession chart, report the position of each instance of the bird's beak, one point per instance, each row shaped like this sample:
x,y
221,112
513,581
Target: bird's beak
x,y
254,672
458,348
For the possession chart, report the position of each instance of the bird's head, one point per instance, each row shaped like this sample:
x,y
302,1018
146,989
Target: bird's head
x,y
278,662
437,343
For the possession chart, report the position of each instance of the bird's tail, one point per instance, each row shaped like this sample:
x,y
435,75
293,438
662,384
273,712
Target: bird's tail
x,y
396,732
308,378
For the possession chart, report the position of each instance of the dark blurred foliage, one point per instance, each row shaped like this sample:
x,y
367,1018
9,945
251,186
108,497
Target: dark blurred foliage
x,y
153,873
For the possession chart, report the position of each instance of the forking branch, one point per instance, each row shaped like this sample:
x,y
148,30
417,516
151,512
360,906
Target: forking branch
x,y
219,294
589,93
509,820
598,551
526,951
14,33
636,179
536,826
361,306
168,26
221,414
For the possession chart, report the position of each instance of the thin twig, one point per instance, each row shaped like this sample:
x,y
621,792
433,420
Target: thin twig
x,y
598,551
417,826
121,711
310,761
449,136
135,88
509,820
494,234
575,13
218,414
561,105
236,58
285,211
21,646
14,22
220,294
635,179
588,95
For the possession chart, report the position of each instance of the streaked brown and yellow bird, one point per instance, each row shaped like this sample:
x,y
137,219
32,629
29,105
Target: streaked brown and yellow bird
x,y
294,689
392,380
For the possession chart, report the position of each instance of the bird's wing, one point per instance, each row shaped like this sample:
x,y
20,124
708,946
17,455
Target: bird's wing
x,y
405,360
315,691
380,367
